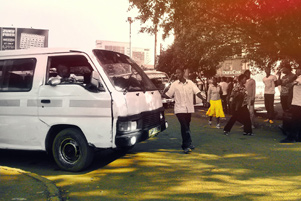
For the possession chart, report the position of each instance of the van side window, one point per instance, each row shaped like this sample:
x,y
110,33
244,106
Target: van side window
x,y
17,74
72,69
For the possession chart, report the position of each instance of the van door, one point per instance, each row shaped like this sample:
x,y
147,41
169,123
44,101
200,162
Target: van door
x,y
20,127
73,101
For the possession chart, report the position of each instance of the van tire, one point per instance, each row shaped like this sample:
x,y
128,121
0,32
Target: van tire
x,y
71,151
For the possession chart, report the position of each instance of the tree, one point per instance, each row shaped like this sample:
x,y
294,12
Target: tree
x,y
208,31
172,59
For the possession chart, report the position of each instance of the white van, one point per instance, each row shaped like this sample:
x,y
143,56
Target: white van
x,y
70,102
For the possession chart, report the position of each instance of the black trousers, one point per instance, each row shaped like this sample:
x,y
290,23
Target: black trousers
x,y
286,102
184,119
294,130
243,116
224,103
269,105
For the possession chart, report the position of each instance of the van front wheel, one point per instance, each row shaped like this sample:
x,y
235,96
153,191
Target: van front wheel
x,y
71,151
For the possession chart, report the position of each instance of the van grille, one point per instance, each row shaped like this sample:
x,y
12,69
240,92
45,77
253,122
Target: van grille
x,y
151,120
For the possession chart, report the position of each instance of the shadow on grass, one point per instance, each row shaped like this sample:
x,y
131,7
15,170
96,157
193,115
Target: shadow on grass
x,y
233,167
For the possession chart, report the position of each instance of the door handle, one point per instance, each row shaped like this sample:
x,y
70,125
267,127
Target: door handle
x,y
45,101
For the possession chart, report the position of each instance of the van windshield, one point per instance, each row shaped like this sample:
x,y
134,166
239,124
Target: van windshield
x,y
123,72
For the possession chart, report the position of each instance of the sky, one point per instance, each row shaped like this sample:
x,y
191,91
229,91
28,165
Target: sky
x,y
78,23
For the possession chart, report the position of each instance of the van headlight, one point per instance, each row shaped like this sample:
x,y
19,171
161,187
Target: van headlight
x,y
161,115
133,140
127,126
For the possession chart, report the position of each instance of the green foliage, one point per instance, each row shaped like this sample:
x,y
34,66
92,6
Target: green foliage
x,y
209,31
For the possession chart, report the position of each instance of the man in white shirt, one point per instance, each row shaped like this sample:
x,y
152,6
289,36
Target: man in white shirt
x,y
269,93
224,87
183,90
294,131
63,73
251,90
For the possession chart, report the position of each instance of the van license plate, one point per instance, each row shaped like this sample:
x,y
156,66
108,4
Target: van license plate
x,y
152,132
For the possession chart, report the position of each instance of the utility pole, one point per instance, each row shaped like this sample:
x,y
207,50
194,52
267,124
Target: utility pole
x,y
155,52
130,42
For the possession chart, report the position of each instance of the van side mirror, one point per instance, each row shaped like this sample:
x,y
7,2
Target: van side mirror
x,y
95,81
53,81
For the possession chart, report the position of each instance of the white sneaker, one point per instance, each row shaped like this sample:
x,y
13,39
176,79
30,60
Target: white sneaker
x,y
210,122
218,126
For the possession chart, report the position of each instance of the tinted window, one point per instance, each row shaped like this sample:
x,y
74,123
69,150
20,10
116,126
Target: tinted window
x,y
17,74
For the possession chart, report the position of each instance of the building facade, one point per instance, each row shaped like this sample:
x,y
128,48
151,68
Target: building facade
x,y
236,66
12,38
142,56
232,67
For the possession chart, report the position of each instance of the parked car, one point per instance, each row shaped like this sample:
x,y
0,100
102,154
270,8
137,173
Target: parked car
x,y
162,81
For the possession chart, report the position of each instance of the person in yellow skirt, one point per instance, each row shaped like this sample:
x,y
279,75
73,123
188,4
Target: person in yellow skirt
x,y
214,97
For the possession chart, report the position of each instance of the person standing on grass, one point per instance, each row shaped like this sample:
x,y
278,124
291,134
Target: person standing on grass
x,y
183,90
229,90
286,92
239,98
270,82
293,132
214,97
251,91
224,86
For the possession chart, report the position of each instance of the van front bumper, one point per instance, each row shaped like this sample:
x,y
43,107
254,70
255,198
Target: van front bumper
x,y
131,138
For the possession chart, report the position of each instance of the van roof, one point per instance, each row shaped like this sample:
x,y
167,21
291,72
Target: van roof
x,y
153,72
38,51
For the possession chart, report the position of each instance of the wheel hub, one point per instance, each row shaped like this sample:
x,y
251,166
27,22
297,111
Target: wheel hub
x,y
69,150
